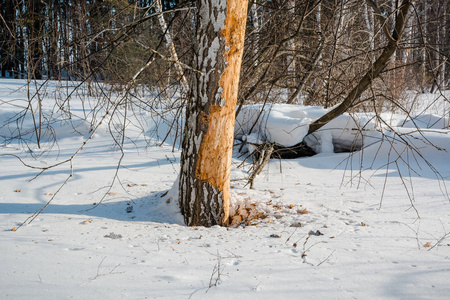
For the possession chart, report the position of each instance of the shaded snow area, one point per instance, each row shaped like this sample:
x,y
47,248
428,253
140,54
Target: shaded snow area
x,y
371,224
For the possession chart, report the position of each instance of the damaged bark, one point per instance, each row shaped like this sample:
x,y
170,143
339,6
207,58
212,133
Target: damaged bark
x,y
210,113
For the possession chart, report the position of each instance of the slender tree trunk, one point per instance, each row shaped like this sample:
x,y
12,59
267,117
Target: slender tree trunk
x,y
35,39
425,34
292,58
3,44
8,39
210,113
442,46
369,20
21,40
257,28
171,46
338,36
393,74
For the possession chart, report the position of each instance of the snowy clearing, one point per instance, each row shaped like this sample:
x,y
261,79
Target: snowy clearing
x,y
330,231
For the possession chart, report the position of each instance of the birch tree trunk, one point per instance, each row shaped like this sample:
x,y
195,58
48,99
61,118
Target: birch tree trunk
x,y
257,28
210,113
443,61
171,46
369,20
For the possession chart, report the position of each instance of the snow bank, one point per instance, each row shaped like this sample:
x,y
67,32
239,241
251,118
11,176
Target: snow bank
x,y
274,123
287,125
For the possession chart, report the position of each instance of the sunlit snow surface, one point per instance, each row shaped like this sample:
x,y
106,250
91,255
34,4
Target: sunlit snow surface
x,y
328,233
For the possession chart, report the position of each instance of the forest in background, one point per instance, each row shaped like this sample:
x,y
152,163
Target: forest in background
x,y
296,51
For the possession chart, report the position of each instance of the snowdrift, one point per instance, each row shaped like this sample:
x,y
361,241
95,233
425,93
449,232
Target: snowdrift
x,y
287,125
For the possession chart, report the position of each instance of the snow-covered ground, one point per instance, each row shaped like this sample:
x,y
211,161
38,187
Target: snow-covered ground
x,y
331,231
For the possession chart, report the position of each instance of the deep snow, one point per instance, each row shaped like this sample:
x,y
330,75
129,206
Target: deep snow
x,y
334,229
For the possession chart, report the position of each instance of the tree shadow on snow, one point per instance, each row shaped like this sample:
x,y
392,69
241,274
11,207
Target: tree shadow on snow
x,y
433,168
111,167
155,208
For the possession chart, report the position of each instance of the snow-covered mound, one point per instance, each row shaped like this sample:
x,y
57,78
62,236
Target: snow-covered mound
x,y
287,125
284,124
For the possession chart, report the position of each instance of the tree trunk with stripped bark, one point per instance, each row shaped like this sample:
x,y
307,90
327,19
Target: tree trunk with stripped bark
x,y
210,113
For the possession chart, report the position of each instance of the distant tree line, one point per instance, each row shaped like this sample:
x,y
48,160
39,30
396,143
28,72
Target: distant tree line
x,y
314,49
317,50
60,39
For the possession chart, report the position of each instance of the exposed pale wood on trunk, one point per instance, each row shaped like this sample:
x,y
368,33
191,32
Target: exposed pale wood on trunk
x,y
210,114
